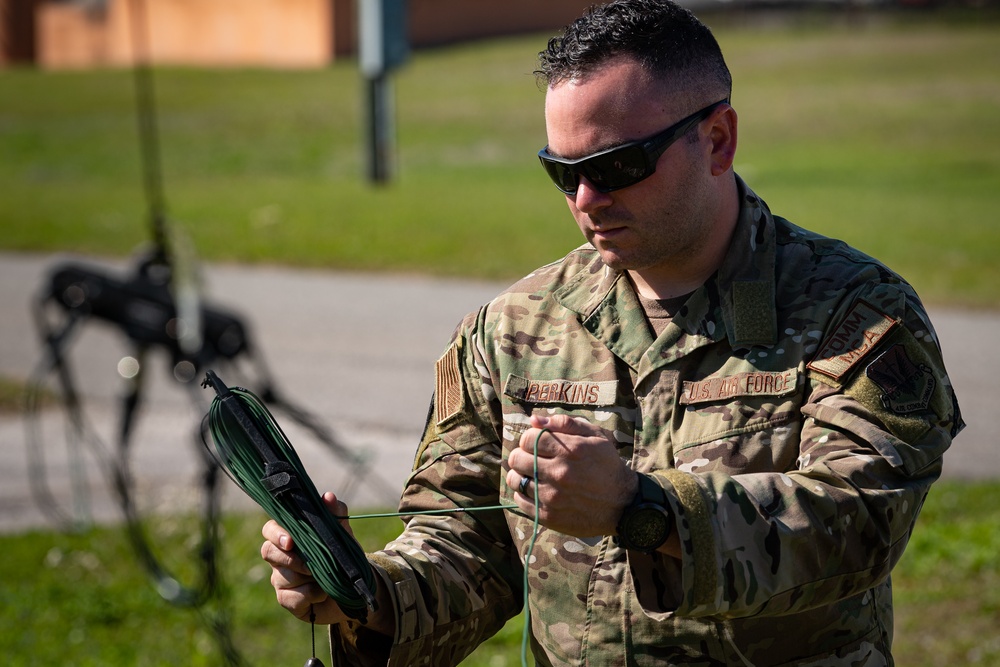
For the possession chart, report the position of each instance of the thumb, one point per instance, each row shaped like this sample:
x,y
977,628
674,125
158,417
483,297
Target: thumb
x,y
338,508
334,505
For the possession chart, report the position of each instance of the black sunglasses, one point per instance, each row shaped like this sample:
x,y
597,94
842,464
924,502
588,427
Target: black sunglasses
x,y
621,166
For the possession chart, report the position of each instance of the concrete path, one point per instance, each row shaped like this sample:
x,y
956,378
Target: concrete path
x,y
356,350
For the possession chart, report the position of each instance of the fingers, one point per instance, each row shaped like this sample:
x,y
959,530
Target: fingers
x,y
286,579
521,460
564,424
300,595
292,581
522,483
277,537
294,586
336,506
277,547
562,444
556,425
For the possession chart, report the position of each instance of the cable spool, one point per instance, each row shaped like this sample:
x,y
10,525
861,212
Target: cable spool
x,y
254,451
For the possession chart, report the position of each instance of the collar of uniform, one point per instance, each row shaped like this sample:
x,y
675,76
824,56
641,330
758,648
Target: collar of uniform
x,y
742,289
584,292
745,281
607,306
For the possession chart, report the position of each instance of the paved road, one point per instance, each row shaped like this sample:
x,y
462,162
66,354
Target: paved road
x,y
358,350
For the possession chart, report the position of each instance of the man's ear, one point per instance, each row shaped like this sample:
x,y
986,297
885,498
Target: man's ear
x,y
722,133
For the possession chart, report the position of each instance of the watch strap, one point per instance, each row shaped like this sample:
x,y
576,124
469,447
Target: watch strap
x,y
649,492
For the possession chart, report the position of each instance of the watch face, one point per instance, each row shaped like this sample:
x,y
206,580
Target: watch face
x,y
647,527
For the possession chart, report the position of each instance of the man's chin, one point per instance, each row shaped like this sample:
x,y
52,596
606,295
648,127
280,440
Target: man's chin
x,y
613,258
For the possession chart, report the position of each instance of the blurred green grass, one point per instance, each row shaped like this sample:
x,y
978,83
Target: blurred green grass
x,y
885,133
82,599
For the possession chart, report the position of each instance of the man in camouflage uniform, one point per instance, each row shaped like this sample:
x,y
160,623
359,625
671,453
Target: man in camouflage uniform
x,y
777,397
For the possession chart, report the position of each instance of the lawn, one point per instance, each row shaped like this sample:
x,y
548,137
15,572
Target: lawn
x,y
82,599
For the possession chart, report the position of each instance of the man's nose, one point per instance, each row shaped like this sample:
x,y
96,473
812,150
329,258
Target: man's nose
x,y
588,198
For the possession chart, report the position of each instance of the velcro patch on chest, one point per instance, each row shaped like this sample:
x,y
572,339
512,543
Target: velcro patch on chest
x,y
751,383
859,333
565,392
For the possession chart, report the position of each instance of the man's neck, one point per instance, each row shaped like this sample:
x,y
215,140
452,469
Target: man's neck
x,y
647,286
667,282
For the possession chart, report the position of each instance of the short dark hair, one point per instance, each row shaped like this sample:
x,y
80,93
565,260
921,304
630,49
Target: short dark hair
x,y
666,39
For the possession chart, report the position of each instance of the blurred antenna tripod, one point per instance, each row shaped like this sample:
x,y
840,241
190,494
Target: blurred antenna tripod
x,y
158,307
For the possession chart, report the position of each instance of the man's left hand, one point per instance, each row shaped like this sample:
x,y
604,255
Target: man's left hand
x,y
582,484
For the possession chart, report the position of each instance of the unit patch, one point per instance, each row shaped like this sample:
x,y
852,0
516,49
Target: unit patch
x,y
753,383
566,392
854,338
907,386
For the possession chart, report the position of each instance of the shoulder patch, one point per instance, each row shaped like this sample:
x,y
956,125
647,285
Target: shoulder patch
x,y
906,386
448,389
852,340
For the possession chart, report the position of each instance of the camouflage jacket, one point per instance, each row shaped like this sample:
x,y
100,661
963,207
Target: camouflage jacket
x,y
795,411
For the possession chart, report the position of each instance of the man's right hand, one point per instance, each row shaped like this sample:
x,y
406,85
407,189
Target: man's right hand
x,y
294,585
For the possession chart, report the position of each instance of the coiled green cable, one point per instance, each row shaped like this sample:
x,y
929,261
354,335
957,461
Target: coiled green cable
x,y
258,457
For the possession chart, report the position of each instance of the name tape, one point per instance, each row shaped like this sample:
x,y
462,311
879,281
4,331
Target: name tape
x,y
567,392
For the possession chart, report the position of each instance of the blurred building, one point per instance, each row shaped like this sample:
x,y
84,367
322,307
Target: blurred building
x,y
17,31
60,34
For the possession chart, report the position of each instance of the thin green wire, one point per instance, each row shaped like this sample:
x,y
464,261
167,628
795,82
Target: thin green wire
x,y
526,630
244,466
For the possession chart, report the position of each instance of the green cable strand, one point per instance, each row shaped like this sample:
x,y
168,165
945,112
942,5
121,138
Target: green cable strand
x,y
526,630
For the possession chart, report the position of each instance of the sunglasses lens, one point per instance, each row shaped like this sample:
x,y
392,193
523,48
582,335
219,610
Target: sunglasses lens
x,y
616,169
563,175
606,172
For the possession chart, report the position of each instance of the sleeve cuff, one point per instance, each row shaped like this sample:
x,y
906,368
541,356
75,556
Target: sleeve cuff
x,y
693,523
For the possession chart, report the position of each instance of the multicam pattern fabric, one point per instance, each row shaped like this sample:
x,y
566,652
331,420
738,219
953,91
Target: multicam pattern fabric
x,y
795,411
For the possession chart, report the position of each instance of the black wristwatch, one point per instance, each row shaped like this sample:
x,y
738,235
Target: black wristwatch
x,y
646,523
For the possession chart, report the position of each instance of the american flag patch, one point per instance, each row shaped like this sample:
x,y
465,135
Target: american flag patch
x,y
448,390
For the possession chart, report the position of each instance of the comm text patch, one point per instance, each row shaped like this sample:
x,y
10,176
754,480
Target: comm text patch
x,y
853,339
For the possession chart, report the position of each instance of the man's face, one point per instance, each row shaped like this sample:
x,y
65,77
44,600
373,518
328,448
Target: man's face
x,y
658,223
